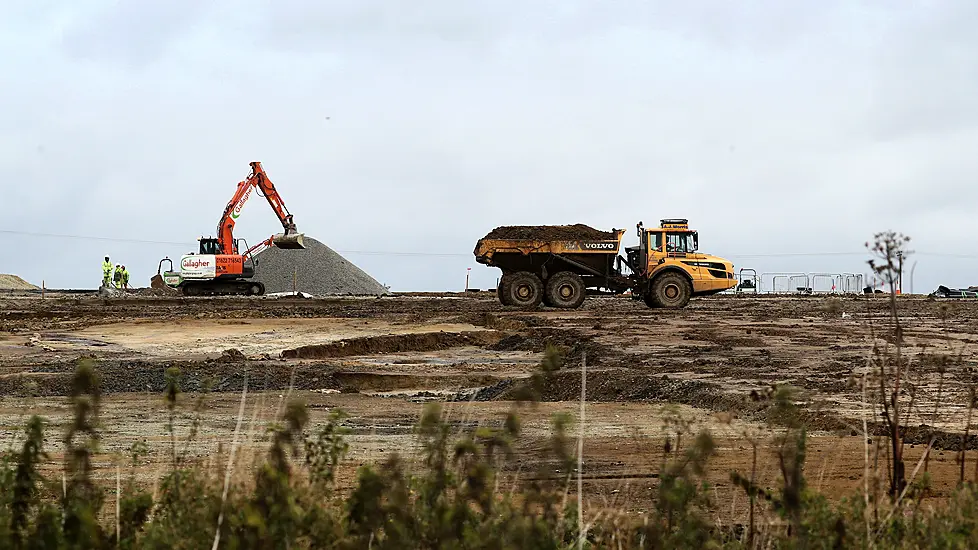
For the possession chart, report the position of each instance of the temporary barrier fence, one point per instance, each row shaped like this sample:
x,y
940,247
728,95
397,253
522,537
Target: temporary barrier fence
x,y
750,282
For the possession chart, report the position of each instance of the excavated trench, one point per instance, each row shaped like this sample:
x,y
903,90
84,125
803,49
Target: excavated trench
x,y
395,343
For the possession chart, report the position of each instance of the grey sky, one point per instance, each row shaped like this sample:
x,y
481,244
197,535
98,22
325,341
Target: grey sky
x,y
775,127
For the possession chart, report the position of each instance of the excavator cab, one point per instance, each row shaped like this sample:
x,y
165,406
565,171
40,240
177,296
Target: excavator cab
x,y
210,246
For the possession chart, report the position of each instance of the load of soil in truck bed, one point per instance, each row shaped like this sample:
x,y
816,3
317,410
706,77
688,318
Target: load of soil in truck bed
x,y
576,232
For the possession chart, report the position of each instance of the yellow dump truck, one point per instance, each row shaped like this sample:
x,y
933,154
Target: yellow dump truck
x,y
559,265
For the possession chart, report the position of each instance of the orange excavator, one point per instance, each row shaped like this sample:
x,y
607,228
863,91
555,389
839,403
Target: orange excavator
x,y
225,265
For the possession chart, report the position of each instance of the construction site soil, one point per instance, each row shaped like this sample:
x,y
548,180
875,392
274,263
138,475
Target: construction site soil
x,y
577,232
381,358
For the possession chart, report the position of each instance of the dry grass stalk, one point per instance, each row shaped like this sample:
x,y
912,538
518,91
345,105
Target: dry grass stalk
x,y
230,466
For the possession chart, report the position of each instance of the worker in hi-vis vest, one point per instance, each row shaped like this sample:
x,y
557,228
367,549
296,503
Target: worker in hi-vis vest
x,y
106,272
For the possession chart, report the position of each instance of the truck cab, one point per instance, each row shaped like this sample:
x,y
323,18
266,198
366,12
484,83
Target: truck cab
x,y
673,249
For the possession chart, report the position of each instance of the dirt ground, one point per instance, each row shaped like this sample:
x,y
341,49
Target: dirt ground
x,y
381,359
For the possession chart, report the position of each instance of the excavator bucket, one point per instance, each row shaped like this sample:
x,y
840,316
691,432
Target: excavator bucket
x,y
157,282
292,241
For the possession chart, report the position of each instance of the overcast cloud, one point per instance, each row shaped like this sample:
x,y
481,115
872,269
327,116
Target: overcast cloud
x,y
776,127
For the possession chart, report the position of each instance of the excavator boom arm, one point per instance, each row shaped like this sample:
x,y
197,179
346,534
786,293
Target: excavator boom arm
x,y
267,243
257,179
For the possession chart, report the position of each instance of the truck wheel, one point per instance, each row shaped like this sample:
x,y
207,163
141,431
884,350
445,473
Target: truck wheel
x,y
671,290
566,290
524,290
503,289
650,301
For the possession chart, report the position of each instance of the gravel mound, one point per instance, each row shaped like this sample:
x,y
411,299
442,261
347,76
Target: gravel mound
x,y
318,270
13,282
551,233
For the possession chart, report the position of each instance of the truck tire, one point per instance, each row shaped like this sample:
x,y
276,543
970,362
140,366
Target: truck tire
x,y
503,288
566,290
524,290
671,290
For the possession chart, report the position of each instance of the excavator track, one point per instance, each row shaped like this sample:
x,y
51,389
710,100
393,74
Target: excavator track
x,y
222,288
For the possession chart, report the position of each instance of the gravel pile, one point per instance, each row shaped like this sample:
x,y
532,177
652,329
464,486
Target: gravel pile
x,y
551,233
318,270
13,282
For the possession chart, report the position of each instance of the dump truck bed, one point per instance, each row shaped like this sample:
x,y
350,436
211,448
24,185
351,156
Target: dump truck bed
x,y
543,250
547,239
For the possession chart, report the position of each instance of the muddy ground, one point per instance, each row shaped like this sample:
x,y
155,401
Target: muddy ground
x,y
381,359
